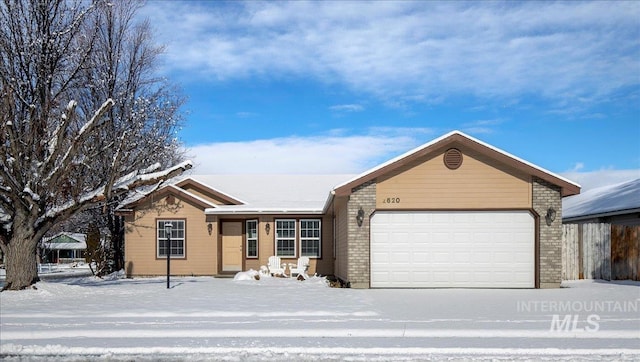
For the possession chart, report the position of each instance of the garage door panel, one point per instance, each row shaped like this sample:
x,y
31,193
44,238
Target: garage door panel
x,y
462,257
379,258
482,276
420,258
381,277
452,249
400,258
400,276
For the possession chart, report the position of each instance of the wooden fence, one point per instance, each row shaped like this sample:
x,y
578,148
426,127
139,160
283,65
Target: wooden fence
x,y
625,252
600,251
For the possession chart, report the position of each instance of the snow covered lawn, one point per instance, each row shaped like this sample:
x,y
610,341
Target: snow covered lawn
x,y
284,319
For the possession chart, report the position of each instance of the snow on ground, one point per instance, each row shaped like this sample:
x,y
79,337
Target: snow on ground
x,y
202,318
53,270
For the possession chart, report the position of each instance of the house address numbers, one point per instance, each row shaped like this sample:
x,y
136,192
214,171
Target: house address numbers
x,y
391,200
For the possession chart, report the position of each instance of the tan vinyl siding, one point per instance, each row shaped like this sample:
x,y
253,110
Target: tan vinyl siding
x,y
479,183
324,265
340,204
204,195
266,243
140,245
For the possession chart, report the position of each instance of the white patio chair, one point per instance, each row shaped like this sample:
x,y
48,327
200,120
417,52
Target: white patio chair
x,y
303,266
275,266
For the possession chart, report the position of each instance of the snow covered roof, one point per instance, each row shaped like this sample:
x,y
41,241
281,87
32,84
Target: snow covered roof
x,y
302,194
251,194
66,241
312,194
568,187
620,198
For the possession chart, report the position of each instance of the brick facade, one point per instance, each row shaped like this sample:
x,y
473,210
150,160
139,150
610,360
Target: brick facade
x,y
358,270
545,196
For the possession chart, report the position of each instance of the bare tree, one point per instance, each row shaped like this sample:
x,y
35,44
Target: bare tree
x,y
83,120
145,112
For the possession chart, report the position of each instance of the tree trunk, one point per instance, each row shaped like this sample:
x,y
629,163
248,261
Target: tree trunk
x,y
22,268
116,229
118,243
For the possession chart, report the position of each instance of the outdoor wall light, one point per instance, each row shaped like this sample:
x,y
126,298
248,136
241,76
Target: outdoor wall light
x,y
551,215
360,216
210,228
267,227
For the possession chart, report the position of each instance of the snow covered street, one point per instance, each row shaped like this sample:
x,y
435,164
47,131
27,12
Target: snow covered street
x,y
203,318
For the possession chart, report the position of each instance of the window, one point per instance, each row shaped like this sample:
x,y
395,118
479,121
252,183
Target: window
x,y
177,239
252,238
310,238
286,238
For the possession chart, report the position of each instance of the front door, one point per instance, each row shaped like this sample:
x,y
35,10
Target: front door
x,y
231,246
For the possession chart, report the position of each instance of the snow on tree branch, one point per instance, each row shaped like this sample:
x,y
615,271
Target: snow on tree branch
x,y
123,185
57,168
151,178
58,133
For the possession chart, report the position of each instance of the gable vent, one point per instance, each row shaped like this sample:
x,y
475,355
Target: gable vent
x,y
453,158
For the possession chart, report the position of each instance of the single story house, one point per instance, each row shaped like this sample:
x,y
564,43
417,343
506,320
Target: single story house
x,y
64,247
454,212
617,204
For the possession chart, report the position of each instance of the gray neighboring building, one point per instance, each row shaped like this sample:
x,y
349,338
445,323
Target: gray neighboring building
x,y
614,204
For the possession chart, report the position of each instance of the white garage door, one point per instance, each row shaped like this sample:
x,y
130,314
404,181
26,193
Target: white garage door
x,y
493,249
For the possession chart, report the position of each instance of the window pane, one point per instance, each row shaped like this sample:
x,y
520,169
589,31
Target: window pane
x,y
286,248
310,248
285,238
252,229
252,238
310,238
177,238
252,248
162,247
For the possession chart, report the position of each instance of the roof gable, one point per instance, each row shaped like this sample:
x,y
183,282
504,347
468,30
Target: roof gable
x,y
66,241
451,139
209,191
66,237
169,190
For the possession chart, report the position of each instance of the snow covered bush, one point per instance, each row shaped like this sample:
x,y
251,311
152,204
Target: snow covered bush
x,y
247,275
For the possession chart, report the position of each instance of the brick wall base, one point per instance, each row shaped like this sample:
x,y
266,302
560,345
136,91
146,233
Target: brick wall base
x,y
545,196
358,270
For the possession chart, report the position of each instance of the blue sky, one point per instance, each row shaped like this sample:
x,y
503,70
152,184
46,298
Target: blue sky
x,y
338,87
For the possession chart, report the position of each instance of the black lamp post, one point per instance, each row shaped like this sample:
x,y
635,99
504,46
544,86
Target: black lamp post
x,y
167,232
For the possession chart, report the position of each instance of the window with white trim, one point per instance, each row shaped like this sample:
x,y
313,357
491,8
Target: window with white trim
x,y
177,239
285,238
310,238
252,238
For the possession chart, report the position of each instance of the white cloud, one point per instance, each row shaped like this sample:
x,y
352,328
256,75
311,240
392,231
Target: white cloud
x,y
583,51
329,154
592,179
483,126
347,108
603,177
338,153
578,166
